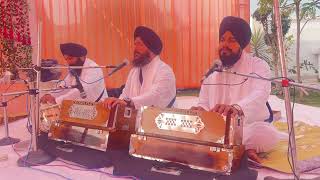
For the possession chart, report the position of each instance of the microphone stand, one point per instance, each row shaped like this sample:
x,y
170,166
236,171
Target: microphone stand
x,y
285,84
7,140
281,80
37,68
292,140
36,156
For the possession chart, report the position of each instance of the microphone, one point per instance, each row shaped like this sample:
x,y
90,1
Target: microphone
x,y
78,85
217,66
120,66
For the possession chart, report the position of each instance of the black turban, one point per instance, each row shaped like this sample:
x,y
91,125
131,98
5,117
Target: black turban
x,y
73,49
239,28
149,38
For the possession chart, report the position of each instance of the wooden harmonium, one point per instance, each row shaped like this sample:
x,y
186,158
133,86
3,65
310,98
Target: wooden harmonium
x,y
200,139
89,123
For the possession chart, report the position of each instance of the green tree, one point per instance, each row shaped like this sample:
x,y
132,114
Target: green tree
x,y
305,10
264,14
259,48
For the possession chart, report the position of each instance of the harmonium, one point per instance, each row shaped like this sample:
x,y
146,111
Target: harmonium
x,y
201,140
89,124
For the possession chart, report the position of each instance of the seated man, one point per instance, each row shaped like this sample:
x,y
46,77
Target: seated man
x,y
94,89
151,82
225,93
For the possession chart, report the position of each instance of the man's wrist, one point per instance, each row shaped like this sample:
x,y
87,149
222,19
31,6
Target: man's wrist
x,y
128,101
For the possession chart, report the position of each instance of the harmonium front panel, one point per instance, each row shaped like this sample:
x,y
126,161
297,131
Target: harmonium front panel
x,y
213,158
187,124
92,138
86,114
90,124
200,139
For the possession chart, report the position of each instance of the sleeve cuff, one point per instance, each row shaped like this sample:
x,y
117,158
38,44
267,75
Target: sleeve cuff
x,y
59,99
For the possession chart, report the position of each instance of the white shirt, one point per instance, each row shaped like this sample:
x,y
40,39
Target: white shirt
x,y
251,95
158,87
87,77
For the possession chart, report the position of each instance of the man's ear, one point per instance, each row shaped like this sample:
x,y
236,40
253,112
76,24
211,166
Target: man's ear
x,y
83,58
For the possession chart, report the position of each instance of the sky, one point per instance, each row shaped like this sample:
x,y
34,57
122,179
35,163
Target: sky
x,y
253,5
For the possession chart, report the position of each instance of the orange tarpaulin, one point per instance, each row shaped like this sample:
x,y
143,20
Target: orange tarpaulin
x,y
188,28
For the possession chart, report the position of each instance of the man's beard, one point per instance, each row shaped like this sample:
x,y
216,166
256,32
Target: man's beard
x,y
229,60
141,60
79,62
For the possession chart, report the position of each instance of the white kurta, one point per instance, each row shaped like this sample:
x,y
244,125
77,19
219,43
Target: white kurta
x,y
92,90
158,87
251,96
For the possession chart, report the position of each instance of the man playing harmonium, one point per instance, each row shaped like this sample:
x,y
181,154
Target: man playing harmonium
x,y
151,82
225,92
93,88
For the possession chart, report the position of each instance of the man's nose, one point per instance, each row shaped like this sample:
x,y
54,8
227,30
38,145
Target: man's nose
x,y
224,44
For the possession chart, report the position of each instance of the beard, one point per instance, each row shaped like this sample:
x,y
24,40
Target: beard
x,y
141,60
79,62
229,60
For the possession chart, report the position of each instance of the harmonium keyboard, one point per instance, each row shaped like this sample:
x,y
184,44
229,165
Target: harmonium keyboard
x,y
89,124
199,139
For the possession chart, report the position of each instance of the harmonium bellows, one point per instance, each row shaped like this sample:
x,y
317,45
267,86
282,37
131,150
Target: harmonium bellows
x,y
88,123
202,140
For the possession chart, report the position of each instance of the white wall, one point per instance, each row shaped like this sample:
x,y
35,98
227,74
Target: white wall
x,y
310,43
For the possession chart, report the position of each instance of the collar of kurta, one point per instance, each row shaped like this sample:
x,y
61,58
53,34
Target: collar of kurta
x,y
85,64
239,63
149,72
151,64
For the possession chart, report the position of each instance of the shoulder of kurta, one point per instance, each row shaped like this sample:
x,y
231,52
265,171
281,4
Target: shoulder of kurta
x,y
92,71
166,69
258,64
90,62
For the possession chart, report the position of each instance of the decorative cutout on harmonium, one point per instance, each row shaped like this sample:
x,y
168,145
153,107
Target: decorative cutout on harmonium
x,y
200,139
86,114
86,123
179,122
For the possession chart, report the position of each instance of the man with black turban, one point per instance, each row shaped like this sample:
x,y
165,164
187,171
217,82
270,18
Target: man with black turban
x,y
151,82
94,91
239,95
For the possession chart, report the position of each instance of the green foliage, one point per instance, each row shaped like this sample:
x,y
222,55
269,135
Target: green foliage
x,y
305,65
264,14
259,48
15,42
309,9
